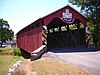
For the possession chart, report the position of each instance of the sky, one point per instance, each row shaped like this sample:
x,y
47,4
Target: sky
x,y
20,13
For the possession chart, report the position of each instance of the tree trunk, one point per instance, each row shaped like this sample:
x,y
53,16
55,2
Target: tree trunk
x,y
1,44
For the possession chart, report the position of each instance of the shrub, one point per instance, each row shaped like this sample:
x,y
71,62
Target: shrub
x,y
17,51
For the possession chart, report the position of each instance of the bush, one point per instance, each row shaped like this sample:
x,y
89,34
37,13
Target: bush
x,y
17,51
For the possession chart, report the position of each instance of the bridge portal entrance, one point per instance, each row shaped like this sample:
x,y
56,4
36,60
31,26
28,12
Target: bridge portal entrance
x,y
64,35
65,29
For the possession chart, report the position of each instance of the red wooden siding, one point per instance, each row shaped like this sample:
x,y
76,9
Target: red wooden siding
x,y
30,39
58,14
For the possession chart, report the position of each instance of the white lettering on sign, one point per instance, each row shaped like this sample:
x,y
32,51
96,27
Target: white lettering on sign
x,y
67,17
66,14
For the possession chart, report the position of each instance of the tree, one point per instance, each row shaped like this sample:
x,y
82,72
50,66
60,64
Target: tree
x,y
91,9
5,32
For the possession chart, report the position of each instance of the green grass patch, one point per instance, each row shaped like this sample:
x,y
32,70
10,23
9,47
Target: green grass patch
x,y
10,51
6,61
6,49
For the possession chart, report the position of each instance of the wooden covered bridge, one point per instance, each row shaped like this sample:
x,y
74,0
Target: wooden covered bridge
x,y
64,28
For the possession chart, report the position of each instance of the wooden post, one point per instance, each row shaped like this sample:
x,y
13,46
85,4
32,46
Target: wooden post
x,y
78,27
59,29
68,27
86,43
53,30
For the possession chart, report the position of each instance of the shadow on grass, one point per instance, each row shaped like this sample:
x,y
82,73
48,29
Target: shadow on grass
x,y
25,54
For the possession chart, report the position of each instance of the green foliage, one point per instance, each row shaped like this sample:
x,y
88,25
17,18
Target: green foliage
x,y
72,27
5,32
17,52
91,9
81,25
90,33
94,35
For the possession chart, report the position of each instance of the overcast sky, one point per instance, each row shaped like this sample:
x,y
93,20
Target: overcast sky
x,y
20,13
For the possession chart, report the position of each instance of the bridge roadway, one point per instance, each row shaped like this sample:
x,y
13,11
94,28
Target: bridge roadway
x,y
87,59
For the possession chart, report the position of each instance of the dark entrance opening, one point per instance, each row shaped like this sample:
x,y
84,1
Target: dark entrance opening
x,y
62,35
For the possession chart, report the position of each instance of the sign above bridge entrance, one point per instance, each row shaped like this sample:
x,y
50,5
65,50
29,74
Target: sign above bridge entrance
x,y
67,17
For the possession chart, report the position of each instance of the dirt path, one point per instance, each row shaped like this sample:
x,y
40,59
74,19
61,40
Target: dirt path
x,y
25,69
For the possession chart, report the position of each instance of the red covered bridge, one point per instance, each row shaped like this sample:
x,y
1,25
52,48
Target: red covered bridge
x,y
64,28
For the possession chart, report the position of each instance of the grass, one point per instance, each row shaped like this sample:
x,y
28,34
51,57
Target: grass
x,y
6,51
10,51
48,66
6,48
6,61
